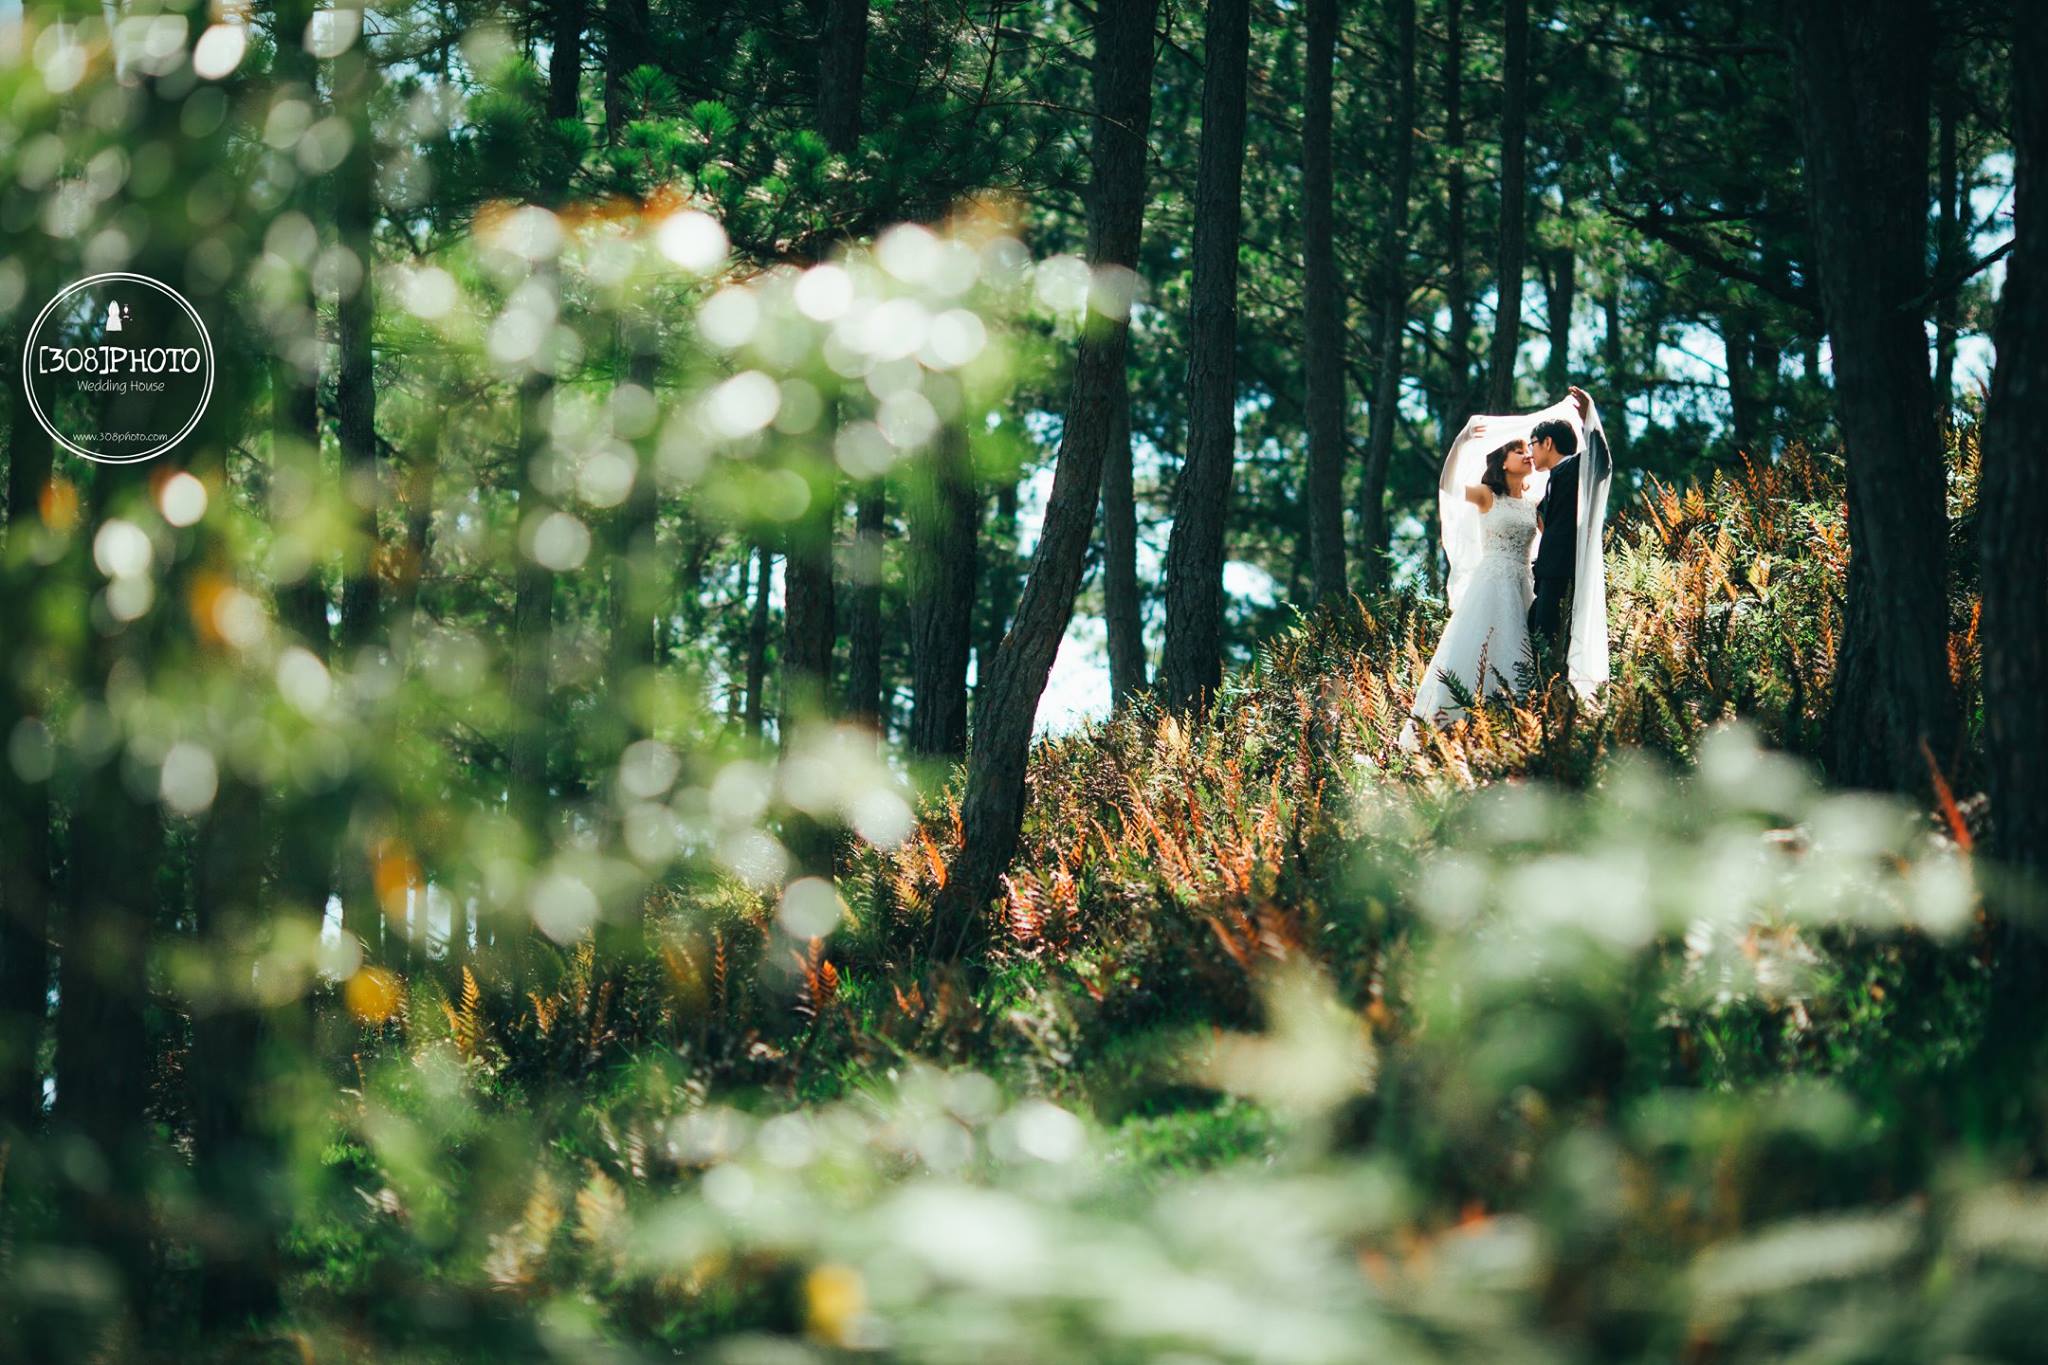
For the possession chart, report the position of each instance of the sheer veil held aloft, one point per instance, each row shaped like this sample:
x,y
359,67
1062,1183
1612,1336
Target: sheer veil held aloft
x,y
1586,661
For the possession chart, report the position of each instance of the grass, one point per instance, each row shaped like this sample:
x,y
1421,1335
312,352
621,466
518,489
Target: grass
x,y
1588,1031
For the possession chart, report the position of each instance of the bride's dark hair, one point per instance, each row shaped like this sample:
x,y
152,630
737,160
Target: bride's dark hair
x,y
1496,475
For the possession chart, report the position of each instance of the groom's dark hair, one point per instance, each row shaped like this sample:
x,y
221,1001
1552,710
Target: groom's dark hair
x,y
1560,432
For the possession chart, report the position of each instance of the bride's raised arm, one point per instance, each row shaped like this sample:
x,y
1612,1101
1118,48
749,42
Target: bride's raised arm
x,y
1458,512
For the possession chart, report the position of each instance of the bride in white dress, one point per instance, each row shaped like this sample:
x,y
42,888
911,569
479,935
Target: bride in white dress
x,y
1487,640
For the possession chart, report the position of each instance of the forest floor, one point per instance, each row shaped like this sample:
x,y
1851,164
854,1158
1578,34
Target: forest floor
x,y
1589,1031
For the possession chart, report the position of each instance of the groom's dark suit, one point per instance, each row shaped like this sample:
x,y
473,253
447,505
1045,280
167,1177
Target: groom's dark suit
x,y
1557,553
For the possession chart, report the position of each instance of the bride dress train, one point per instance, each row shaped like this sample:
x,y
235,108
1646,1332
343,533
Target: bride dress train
x,y
1489,625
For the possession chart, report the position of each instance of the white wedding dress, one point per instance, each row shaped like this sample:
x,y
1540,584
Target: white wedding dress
x,y
1489,626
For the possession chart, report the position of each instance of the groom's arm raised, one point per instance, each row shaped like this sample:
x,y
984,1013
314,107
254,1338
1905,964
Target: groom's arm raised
x,y
1597,453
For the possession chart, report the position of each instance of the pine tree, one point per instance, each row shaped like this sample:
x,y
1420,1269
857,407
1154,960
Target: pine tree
x,y
1193,663
992,811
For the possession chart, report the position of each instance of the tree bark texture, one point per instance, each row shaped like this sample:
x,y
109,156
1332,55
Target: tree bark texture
x,y
1193,663
864,626
565,65
1123,603
1000,558
943,508
1560,295
1614,357
1863,73
1512,248
2014,625
1393,250
1457,282
1949,245
842,61
355,388
993,808
1322,311
757,641
26,871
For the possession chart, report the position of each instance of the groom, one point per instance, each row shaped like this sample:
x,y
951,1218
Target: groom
x,y
1554,447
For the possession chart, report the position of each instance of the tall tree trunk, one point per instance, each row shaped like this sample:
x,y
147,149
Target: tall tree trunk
x,y
235,1153
423,461
1123,607
1742,405
295,373
635,592
355,388
1000,558
809,610
1765,358
743,597
25,894
1614,356
1393,264
628,33
1949,245
943,507
565,64
841,68
809,605
532,594
303,831
1863,76
1458,282
102,1032
355,410
26,885
810,628
1193,662
306,841
1513,245
993,808
634,571
236,1038
1322,312
864,624
1560,294
527,670
757,640
2014,570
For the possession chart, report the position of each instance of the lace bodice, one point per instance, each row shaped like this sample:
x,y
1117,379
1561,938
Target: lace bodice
x,y
1486,642
1506,530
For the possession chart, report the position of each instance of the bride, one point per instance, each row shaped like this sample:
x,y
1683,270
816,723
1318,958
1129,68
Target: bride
x,y
1488,497
1487,639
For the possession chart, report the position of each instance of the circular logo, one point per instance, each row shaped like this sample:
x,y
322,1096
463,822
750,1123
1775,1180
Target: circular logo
x,y
118,367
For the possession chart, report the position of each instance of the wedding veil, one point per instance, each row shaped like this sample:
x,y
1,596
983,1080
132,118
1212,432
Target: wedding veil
x,y
1586,655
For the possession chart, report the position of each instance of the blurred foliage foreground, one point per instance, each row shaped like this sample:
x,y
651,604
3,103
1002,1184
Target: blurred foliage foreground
x,y
1591,1031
